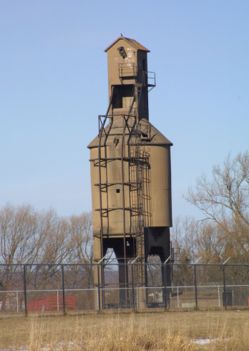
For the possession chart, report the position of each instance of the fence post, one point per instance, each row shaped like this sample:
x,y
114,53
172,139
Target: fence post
x,y
99,292
224,283
100,282
25,290
132,286
219,298
17,301
63,289
58,300
178,297
224,287
165,272
196,291
134,300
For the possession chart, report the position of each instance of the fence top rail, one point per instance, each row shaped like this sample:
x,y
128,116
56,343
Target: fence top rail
x,y
48,264
173,287
178,264
174,264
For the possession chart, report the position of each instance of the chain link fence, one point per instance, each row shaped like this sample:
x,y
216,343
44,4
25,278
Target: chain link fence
x,y
76,288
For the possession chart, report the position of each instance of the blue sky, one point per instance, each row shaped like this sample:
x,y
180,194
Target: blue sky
x,y
53,85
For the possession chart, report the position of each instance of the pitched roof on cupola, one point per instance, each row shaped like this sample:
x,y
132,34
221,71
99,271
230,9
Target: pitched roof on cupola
x,y
132,42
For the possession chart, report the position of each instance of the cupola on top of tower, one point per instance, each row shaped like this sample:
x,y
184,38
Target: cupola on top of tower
x,y
127,63
132,42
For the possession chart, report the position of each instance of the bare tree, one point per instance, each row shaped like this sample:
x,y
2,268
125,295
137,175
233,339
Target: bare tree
x,y
184,235
28,237
57,247
224,202
19,238
81,239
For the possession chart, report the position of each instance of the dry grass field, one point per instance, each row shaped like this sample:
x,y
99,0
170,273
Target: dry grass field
x,y
174,331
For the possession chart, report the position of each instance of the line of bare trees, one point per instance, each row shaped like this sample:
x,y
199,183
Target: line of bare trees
x,y
28,236
31,237
223,230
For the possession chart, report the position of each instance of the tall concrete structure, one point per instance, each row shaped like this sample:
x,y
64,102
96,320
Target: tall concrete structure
x,y
130,166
